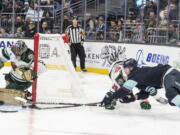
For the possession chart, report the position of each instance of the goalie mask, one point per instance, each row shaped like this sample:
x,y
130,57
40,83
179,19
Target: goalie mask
x,y
19,48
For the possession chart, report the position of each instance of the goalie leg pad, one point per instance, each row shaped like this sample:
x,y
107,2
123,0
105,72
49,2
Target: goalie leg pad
x,y
7,96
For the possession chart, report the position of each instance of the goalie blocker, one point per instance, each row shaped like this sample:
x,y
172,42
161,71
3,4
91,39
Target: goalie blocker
x,y
21,78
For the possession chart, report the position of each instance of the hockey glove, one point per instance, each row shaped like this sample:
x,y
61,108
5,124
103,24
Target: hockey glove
x,y
26,73
142,95
128,98
108,101
145,105
152,91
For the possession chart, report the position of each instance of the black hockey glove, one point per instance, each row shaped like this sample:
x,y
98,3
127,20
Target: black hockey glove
x,y
128,98
142,95
152,91
145,105
108,101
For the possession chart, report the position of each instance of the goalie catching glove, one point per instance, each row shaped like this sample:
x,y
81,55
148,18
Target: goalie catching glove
x,y
26,73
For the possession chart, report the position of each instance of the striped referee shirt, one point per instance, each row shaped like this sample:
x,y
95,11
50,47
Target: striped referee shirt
x,y
75,34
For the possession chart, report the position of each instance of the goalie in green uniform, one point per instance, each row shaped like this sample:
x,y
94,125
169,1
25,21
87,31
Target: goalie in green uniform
x,y
21,75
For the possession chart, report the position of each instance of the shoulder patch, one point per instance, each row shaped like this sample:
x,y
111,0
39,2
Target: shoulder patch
x,y
129,84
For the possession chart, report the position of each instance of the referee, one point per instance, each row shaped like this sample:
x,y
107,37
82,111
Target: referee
x,y
76,37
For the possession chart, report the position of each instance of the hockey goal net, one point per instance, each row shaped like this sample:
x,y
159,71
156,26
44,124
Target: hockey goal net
x,y
60,83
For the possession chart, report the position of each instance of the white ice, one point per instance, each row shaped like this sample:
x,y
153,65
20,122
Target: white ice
x,y
126,119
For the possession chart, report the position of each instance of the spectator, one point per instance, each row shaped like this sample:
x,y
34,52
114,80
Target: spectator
x,y
66,22
44,27
151,22
19,33
172,35
3,33
173,13
26,7
19,22
120,29
48,17
56,4
100,29
130,16
128,30
163,19
8,8
138,30
67,8
34,13
18,7
30,30
113,31
44,2
150,7
90,26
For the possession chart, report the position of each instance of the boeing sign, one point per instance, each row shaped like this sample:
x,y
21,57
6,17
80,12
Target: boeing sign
x,y
143,59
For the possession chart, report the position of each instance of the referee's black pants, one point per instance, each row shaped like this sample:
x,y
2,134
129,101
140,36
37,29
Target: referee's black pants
x,y
78,49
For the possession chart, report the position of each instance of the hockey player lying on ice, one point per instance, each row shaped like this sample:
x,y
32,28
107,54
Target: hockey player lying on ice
x,y
147,80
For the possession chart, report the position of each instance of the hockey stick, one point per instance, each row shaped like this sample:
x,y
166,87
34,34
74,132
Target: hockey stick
x,y
54,107
65,105
8,111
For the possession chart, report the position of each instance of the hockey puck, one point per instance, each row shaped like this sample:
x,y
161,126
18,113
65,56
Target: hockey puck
x,y
1,102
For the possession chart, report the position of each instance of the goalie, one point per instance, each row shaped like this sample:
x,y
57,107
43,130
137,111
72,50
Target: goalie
x,y
21,57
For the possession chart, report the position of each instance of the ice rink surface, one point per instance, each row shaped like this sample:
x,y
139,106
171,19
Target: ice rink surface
x,y
126,119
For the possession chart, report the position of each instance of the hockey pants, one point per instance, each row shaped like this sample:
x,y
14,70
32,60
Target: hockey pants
x,y
172,85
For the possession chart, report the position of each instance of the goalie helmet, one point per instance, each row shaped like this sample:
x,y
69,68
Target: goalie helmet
x,y
19,48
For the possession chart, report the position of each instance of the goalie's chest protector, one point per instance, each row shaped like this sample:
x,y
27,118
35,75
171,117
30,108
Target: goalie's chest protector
x,y
149,76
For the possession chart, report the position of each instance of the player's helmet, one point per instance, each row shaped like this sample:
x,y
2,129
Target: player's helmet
x,y
130,63
19,48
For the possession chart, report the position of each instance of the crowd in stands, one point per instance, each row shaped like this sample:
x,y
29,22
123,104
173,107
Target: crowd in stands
x,y
146,26
139,26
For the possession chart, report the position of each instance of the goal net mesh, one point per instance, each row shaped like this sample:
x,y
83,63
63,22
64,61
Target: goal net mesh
x,y
60,82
